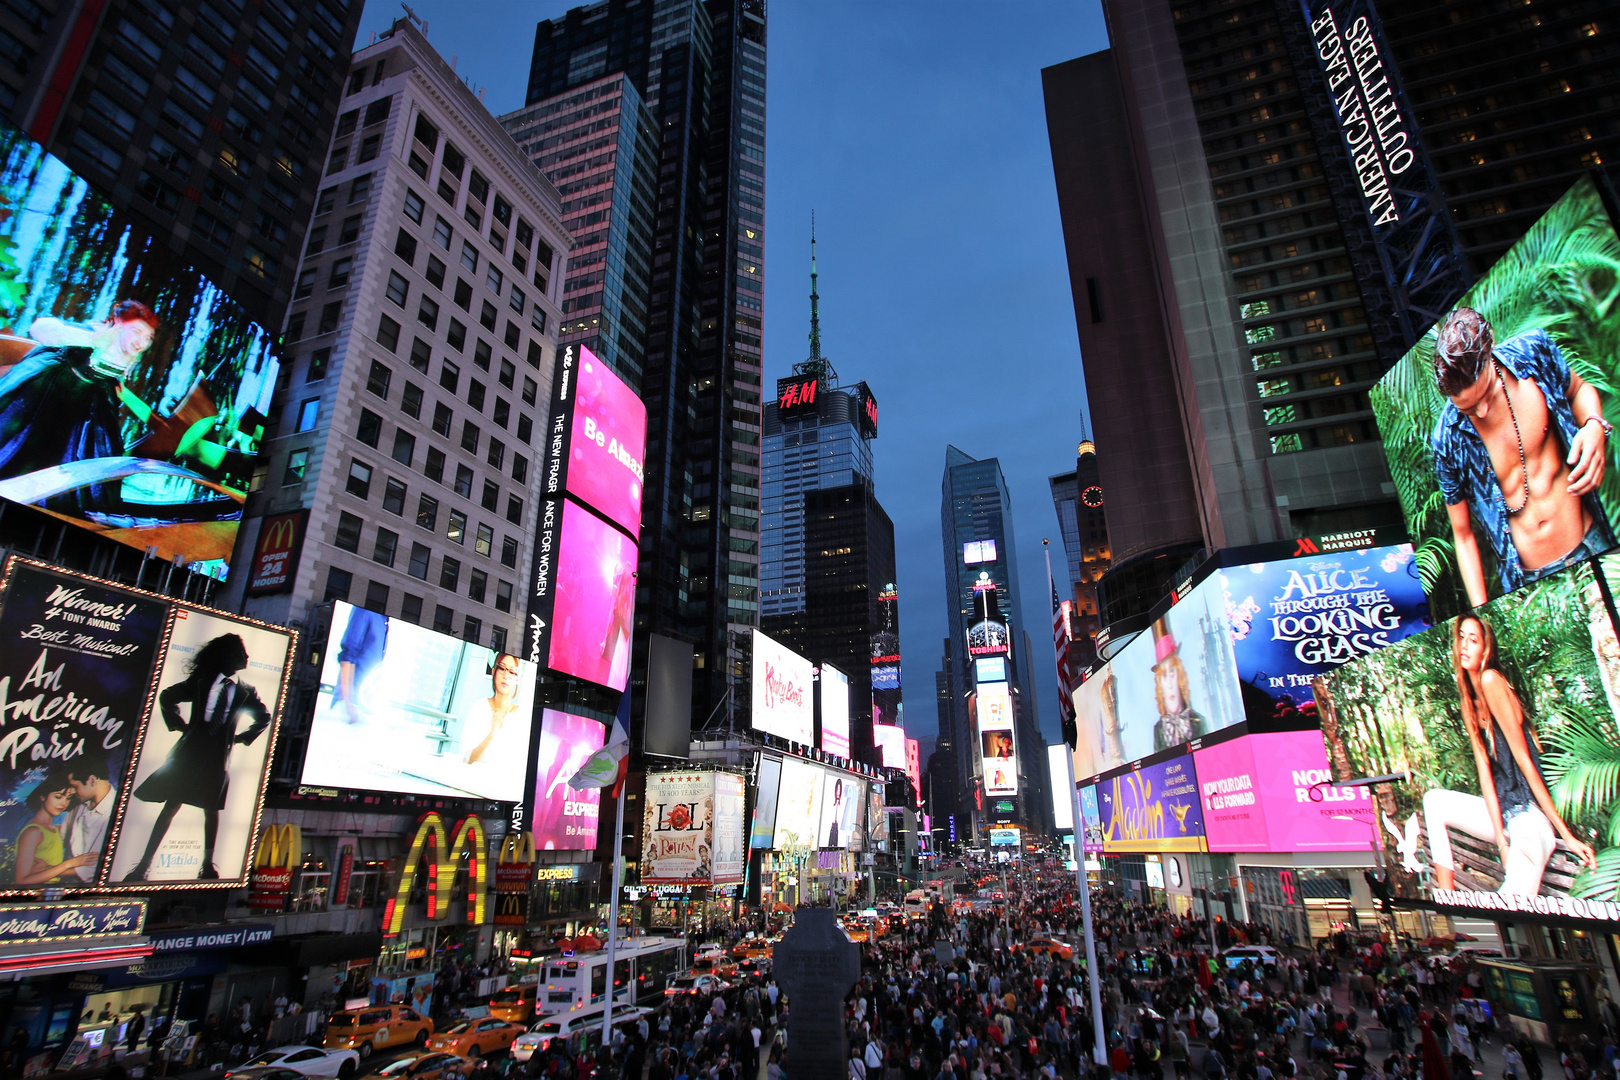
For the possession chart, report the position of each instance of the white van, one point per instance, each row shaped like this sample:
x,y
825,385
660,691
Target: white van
x,y
566,1027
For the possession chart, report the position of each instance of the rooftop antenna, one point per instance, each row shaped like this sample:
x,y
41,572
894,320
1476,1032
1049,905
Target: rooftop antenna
x,y
816,364
415,18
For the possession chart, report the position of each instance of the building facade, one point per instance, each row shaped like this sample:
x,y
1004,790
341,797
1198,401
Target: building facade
x,y
1080,502
205,123
699,67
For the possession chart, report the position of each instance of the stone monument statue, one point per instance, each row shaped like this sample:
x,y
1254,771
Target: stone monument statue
x,y
816,964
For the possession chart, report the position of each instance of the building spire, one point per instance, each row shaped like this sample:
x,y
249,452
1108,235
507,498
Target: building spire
x,y
815,364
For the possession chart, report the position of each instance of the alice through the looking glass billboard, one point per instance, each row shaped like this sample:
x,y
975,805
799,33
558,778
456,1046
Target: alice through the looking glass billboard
x,y
133,390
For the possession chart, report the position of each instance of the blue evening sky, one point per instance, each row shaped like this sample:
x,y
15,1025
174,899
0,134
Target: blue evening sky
x,y
917,133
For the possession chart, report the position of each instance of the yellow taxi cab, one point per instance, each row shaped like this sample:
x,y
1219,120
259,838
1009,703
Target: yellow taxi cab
x,y
718,964
474,1038
1044,946
756,949
377,1027
856,929
515,1004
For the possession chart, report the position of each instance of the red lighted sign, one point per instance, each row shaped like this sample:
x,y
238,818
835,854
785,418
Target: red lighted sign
x,y
796,395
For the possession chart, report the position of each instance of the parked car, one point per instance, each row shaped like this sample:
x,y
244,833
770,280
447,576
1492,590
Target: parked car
x,y
474,1038
377,1027
539,1037
305,1061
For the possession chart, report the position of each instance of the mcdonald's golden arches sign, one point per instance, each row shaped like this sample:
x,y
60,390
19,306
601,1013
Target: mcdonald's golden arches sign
x,y
442,861
275,554
281,851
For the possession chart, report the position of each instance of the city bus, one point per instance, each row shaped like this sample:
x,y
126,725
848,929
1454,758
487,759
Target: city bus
x,y
641,966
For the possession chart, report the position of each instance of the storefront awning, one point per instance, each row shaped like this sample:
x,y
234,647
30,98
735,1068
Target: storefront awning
x,y
48,958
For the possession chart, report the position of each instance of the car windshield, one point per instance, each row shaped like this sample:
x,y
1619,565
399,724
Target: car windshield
x,y
341,1020
460,1029
550,1027
394,1068
509,997
264,1059
685,982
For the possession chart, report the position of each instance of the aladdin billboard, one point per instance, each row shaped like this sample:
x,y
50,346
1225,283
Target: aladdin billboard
x,y
1152,808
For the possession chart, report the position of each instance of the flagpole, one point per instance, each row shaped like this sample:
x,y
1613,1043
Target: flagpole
x,y
1099,1046
613,913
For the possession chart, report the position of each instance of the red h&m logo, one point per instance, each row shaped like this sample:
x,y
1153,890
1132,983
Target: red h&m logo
x,y
871,410
1305,546
798,395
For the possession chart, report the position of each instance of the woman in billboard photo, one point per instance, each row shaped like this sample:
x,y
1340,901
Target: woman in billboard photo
x,y
196,773
42,857
1515,809
836,813
1178,722
486,719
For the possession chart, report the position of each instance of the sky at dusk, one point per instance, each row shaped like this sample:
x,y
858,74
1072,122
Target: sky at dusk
x,y
916,132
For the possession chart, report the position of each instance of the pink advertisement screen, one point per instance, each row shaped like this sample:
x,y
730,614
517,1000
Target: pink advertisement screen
x,y
1255,791
564,818
596,600
606,460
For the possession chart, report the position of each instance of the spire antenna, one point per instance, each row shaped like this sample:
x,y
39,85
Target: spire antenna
x,y
815,364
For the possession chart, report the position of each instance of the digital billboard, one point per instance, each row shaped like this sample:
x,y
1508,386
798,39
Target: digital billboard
x,y
998,752
1057,762
978,551
678,829
1152,808
1531,342
886,658
868,414
798,805
762,829
1003,837
841,798
1256,796
834,711
1294,619
565,818
595,600
891,742
914,767
191,809
133,391
782,688
1091,831
1504,719
1175,682
990,669
597,444
404,709
730,842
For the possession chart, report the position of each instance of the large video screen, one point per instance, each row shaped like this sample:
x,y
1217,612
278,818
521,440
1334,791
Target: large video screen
x,y
1091,830
1057,763
834,711
886,657
1154,808
1256,796
1294,619
404,709
565,818
1175,682
599,437
595,602
1531,343
762,829
891,743
1505,720
798,805
115,778
998,749
730,844
133,391
840,811
783,685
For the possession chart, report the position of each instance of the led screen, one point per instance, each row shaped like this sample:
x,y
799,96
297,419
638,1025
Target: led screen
x,y
1520,765
605,428
886,657
834,711
997,745
729,847
762,830
891,740
133,391
677,836
781,692
595,601
1547,310
1294,619
1153,808
1003,837
1091,819
798,805
404,709
565,818
197,786
1057,760
914,767
1256,796
990,669
840,810
1175,682
978,551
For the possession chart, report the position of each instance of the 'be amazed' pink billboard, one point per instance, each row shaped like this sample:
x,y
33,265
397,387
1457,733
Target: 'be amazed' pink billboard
x,y
1255,791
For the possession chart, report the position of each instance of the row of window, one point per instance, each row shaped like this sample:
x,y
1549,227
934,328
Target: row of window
x,y
340,584
388,548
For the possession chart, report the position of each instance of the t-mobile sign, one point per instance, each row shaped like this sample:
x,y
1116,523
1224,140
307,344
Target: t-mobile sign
x,y
1256,795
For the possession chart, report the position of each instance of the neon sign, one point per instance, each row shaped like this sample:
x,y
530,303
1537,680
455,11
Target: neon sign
x,y
441,871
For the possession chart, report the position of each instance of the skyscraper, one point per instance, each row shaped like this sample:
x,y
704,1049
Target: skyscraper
x,y
1079,500
988,655
1234,299
206,123
699,67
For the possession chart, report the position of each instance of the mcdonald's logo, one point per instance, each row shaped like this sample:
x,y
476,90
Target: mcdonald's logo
x,y
468,844
512,909
275,555
514,866
280,852
516,848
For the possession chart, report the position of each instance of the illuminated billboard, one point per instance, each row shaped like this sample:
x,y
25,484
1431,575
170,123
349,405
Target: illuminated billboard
x,y
730,842
762,827
891,742
796,396
998,750
137,736
1294,619
782,688
133,391
798,805
1504,720
1057,762
990,669
1091,830
1175,682
404,709
841,799
834,711
565,818
886,658
1256,796
914,767
868,411
1539,328
597,443
1152,808
978,551
1003,837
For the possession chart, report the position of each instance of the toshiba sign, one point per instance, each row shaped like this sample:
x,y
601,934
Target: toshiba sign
x,y
782,697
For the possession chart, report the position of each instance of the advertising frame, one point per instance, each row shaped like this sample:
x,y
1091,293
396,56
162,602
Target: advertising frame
x,y
571,744
834,721
1132,807
773,687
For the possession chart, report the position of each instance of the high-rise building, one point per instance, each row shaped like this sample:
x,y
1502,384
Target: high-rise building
x,y
986,646
1078,499
420,342
1234,301
598,143
699,68
204,122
